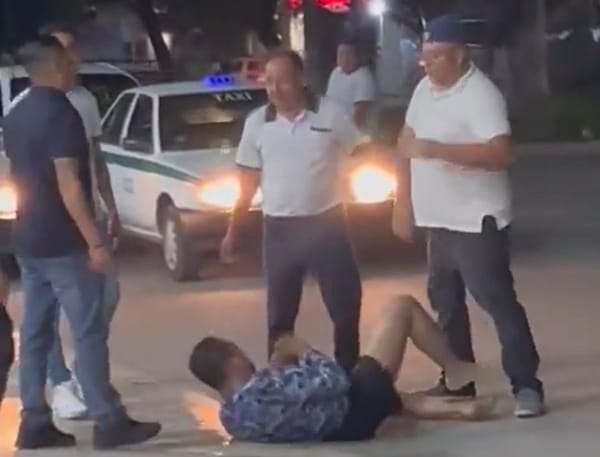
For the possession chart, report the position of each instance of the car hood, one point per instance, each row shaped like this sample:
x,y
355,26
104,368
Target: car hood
x,y
202,163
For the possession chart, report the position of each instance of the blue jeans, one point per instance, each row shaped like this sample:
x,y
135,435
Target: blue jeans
x,y
110,295
70,282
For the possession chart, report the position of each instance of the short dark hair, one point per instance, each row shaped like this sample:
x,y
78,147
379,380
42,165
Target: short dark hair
x,y
36,55
57,27
292,56
209,359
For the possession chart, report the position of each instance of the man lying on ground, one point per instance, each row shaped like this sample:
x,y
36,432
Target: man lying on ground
x,y
305,396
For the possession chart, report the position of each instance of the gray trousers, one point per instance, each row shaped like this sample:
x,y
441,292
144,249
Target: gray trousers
x,y
480,262
319,245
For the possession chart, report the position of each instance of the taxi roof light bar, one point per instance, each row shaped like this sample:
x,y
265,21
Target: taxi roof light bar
x,y
218,81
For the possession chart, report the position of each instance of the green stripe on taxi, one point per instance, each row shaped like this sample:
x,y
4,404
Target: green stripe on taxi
x,y
148,166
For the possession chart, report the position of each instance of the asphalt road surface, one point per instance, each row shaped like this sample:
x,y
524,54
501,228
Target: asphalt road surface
x,y
557,268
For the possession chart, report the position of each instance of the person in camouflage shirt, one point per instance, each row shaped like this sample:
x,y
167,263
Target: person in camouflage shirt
x,y
303,395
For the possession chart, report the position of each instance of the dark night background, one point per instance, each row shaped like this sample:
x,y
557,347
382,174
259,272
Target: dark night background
x,y
551,46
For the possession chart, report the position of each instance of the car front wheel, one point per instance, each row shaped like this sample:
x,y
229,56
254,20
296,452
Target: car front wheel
x,y
181,260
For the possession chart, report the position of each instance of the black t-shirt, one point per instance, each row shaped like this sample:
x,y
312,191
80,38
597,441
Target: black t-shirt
x,y
42,127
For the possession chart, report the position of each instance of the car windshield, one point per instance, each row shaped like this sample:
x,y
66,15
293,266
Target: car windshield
x,y
206,121
105,87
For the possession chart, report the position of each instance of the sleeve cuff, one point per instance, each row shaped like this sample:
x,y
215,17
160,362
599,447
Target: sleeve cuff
x,y
248,166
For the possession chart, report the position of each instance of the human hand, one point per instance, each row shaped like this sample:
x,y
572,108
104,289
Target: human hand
x,y
402,221
418,148
289,347
114,228
100,259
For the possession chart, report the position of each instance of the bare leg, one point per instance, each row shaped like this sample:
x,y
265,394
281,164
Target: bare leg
x,y
405,318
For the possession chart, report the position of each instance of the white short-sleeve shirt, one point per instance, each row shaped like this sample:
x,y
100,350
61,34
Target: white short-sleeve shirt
x,y
449,196
301,161
346,89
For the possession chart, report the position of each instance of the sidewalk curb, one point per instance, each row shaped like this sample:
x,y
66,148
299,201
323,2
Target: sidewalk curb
x,y
591,148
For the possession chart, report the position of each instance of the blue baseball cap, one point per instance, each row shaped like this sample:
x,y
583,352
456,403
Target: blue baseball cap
x,y
445,29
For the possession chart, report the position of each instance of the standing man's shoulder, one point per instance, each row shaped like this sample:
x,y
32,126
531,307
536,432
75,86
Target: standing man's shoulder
x,y
257,117
422,86
488,111
87,106
330,110
15,101
482,87
82,95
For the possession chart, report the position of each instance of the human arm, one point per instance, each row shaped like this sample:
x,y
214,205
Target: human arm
x,y
249,164
66,152
275,397
105,188
493,155
487,118
403,224
364,98
73,197
100,169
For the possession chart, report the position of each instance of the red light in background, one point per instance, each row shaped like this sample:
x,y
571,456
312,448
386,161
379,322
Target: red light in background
x,y
331,5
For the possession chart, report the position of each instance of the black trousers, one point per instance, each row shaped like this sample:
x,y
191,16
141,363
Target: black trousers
x,y
7,350
480,262
319,245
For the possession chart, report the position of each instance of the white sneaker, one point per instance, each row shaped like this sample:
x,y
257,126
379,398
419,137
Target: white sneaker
x,y
66,403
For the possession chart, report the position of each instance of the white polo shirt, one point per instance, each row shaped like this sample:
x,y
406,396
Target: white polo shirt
x,y
449,196
301,161
347,89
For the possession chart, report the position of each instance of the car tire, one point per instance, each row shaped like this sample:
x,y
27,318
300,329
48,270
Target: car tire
x,y
181,261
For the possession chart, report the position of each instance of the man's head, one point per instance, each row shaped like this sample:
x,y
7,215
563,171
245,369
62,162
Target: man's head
x,y
48,63
347,57
284,80
64,34
445,56
221,365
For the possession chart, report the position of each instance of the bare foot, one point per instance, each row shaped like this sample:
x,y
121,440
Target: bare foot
x,y
480,408
458,374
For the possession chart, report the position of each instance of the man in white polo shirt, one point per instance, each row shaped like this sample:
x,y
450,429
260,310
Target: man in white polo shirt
x,y
352,85
457,140
295,148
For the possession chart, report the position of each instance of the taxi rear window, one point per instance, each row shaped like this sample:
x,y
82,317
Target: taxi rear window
x,y
206,121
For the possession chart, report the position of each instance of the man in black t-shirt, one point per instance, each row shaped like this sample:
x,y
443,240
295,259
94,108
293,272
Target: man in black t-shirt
x,y
60,253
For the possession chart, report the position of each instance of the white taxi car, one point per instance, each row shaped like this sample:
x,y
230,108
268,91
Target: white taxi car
x,y
170,150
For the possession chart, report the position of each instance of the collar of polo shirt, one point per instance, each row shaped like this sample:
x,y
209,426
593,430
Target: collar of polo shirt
x,y
312,104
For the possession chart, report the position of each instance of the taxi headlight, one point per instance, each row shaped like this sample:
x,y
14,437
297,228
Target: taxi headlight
x,y
224,193
372,184
8,202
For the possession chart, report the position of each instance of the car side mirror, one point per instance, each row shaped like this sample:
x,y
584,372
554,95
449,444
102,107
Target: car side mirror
x,y
134,145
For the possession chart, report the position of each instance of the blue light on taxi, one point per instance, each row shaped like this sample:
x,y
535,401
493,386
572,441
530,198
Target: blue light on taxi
x,y
218,81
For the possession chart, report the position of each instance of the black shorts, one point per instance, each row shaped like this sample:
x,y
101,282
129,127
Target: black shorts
x,y
373,398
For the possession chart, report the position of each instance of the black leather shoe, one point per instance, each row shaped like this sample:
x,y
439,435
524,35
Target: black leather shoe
x,y
41,437
122,433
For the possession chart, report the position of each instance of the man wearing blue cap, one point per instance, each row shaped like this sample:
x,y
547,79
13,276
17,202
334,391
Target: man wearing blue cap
x,y
454,182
